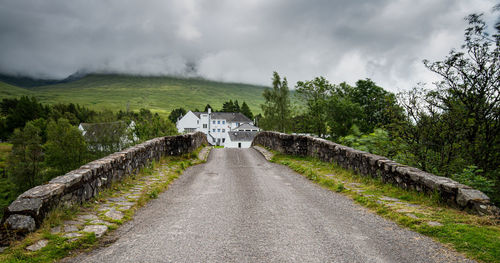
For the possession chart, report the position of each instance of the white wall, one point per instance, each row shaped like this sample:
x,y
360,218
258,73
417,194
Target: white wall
x,y
187,121
231,144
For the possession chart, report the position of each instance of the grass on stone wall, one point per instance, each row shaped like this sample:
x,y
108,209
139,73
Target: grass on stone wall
x,y
60,247
478,237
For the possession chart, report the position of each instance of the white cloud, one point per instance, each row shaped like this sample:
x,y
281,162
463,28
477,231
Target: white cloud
x,y
241,41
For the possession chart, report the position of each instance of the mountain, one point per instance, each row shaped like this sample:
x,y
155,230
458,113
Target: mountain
x,y
115,92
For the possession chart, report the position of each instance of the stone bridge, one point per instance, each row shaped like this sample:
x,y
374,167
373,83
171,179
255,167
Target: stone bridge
x,y
239,207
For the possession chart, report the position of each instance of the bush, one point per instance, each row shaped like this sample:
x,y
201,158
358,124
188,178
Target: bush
x,y
472,176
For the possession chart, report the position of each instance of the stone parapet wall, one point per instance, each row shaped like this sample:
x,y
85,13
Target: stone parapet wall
x,y
27,212
367,164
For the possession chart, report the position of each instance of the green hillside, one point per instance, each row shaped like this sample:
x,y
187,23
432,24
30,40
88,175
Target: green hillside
x,y
10,91
159,94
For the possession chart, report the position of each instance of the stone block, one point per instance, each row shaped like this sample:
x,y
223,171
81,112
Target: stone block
x,y
21,223
32,206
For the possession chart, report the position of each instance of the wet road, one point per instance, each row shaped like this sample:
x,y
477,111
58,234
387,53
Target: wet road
x,y
240,208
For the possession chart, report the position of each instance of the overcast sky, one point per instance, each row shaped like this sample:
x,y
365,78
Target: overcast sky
x,y
240,41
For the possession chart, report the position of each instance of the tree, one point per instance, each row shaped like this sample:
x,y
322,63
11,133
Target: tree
x,y
379,106
277,105
236,107
470,88
245,110
65,149
342,114
176,113
26,157
315,93
228,106
208,107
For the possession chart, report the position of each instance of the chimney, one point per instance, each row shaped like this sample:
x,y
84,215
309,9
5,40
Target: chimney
x,y
209,110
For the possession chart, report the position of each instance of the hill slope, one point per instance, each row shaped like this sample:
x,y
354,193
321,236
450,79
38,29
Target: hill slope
x,y
159,94
10,91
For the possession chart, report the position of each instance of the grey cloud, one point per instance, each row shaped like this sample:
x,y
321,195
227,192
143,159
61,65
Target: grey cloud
x,y
241,41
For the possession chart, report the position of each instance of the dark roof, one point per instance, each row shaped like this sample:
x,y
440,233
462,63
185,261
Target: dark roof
x,y
246,126
230,116
111,131
242,136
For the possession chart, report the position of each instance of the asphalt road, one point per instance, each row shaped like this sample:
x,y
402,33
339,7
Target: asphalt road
x,y
240,208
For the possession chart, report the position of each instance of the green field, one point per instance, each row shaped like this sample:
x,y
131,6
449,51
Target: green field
x,y
159,94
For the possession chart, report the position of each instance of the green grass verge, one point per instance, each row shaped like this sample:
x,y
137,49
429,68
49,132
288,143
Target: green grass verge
x,y
475,236
166,170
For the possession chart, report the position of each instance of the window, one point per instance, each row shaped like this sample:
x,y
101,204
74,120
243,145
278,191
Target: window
x,y
218,122
213,130
223,130
223,140
204,126
218,130
198,122
213,122
189,129
223,122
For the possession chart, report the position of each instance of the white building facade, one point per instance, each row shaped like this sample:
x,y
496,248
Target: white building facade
x,y
216,125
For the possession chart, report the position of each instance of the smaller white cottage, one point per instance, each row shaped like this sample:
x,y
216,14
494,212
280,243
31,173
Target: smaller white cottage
x,y
240,139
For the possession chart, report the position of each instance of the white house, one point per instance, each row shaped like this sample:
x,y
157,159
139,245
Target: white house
x,y
240,139
216,125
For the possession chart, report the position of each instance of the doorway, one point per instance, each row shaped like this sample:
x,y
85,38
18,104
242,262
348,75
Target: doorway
x,y
239,145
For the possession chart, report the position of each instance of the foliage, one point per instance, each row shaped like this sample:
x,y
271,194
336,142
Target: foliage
x,y
176,113
25,160
471,176
245,110
378,142
315,94
148,125
277,105
458,124
65,148
230,106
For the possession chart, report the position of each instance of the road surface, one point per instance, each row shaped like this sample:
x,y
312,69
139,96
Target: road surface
x,y
238,207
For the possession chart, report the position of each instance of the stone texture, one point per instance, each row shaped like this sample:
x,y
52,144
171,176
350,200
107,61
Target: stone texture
x,y
38,245
55,230
433,223
87,217
113,214
100,222
98,230
21,222
72,235
366,164
70,228
28,211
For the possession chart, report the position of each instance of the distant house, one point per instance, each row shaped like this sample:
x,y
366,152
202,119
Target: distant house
x,y
216,125
108,136
240,139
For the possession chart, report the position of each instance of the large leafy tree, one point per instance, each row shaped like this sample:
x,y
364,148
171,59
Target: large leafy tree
x,y
470,88
65,148
25,160
315,93
276,108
